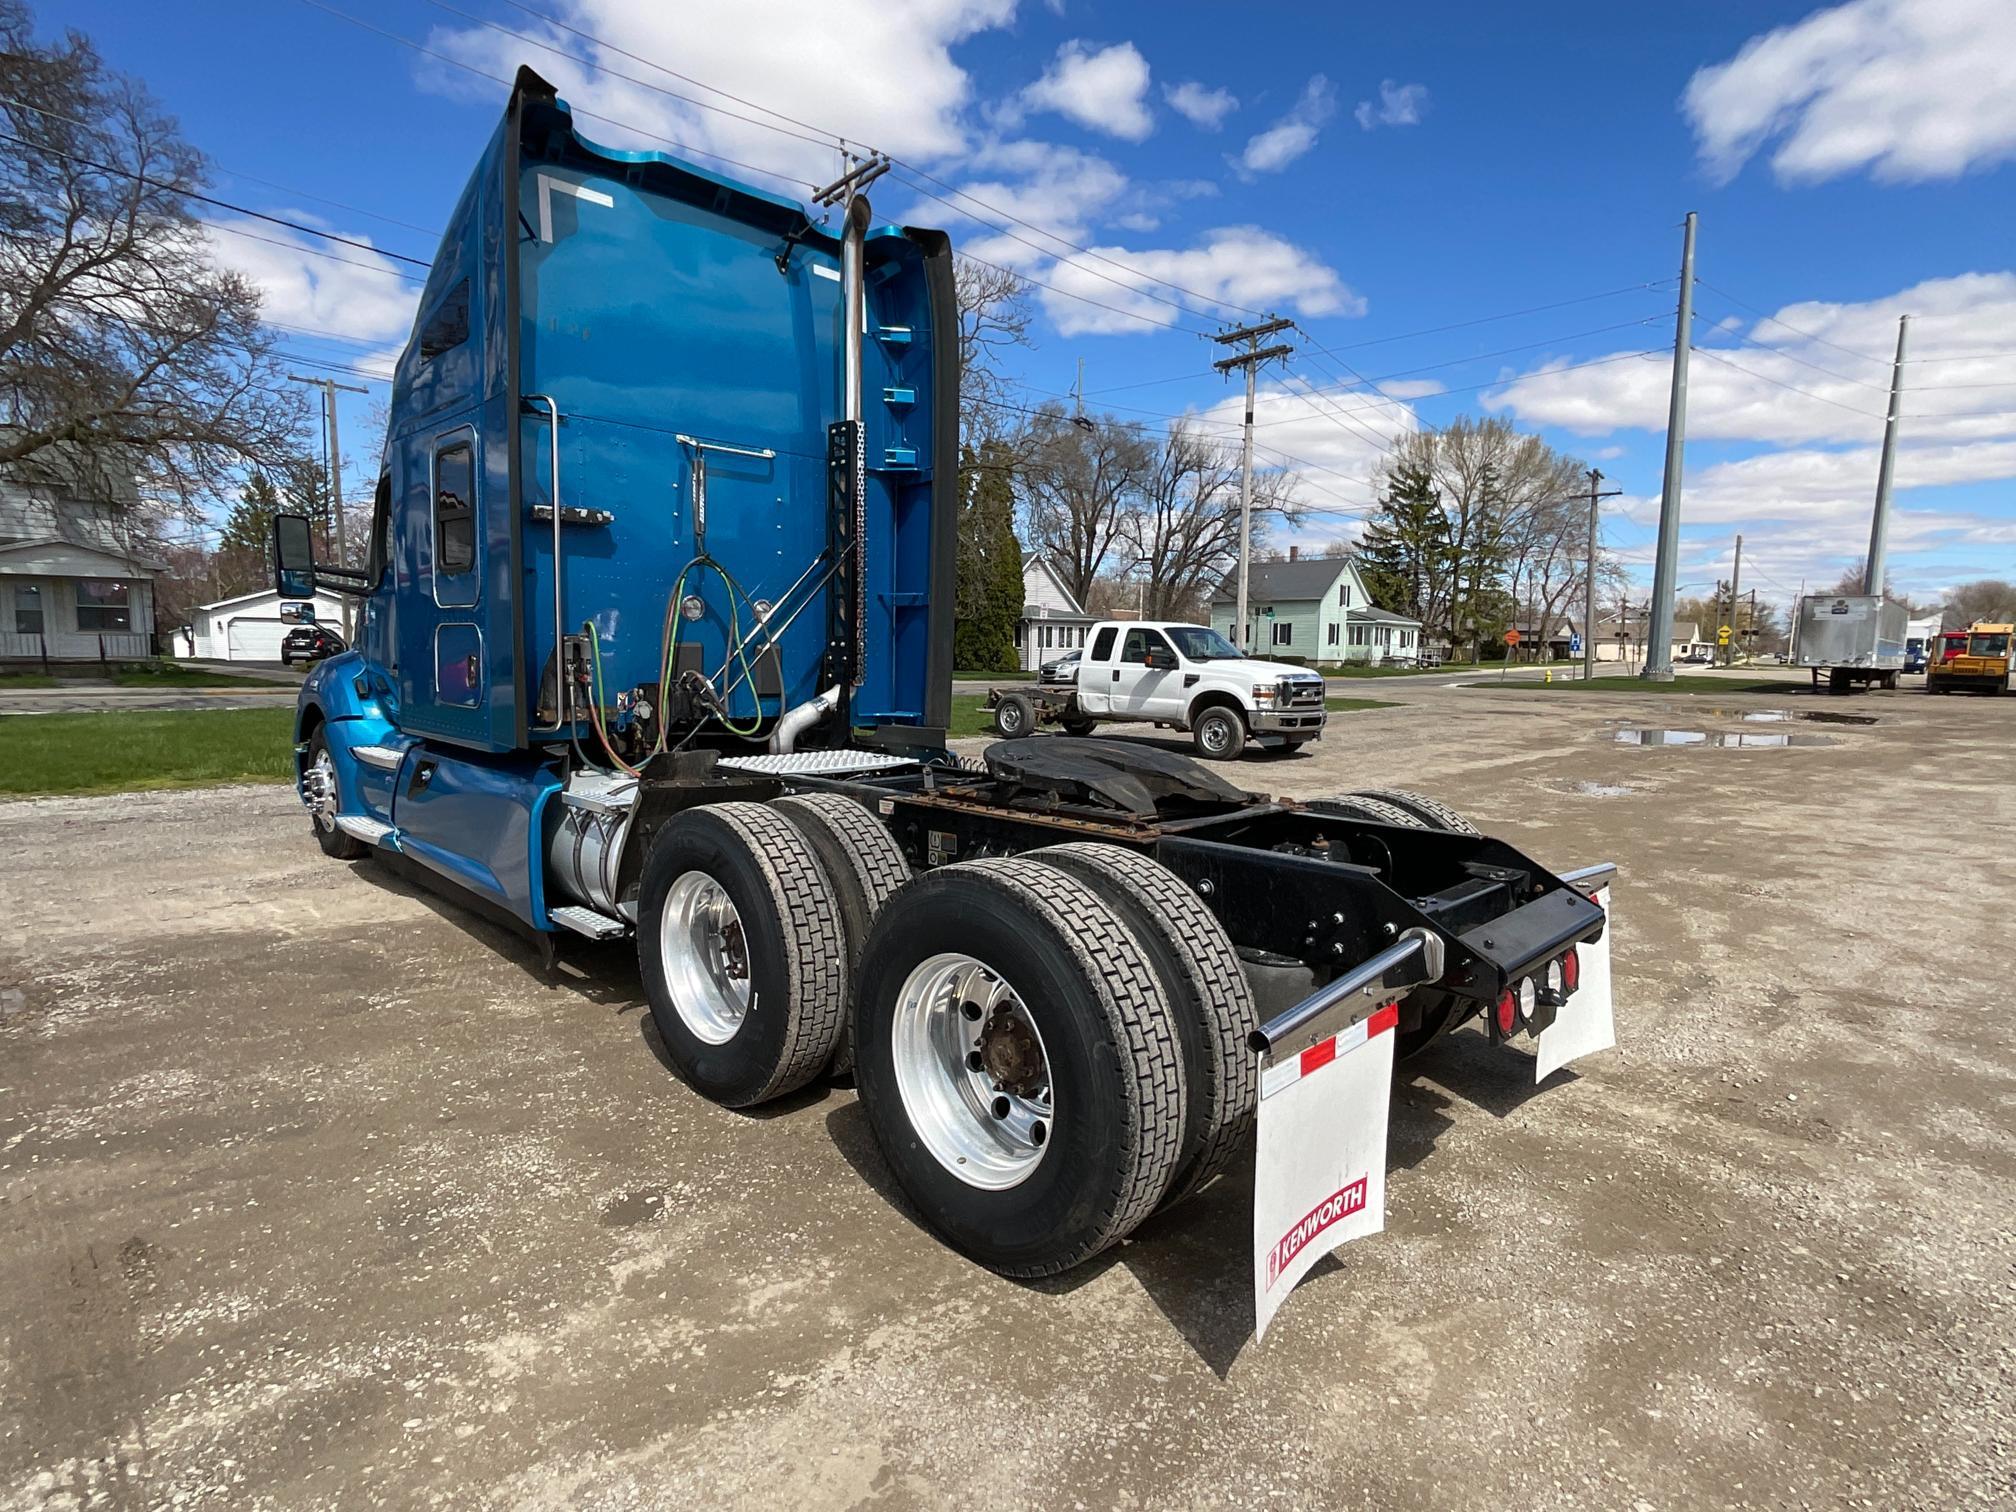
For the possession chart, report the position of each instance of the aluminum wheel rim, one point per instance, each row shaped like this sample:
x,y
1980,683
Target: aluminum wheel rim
x,y
1011,719
318,791
705,953
988,1133
1217,735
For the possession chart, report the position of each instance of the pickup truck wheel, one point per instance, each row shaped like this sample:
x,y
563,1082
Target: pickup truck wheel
x,y
1080,727
1019,1065
1205,986
741,947
1218,733
1014,716
863,865
320,796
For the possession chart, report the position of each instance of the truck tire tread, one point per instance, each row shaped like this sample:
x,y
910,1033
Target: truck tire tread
x,y
864,867
814,964
1437,814
1377,810
1211,995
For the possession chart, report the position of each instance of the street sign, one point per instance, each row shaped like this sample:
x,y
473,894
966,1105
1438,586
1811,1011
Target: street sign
x,y
1511,637
1575,644
1722,636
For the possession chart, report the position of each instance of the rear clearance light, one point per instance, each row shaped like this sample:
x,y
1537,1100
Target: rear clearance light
x,y
1508,1012
1571,970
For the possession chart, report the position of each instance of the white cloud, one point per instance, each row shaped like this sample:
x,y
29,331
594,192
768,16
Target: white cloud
x,y
1103,90
829,62
1294,134
1907,89
1199,105
302,281
1335,447
1789,388
1238,265
1398,105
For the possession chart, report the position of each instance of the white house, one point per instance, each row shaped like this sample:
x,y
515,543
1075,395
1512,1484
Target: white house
x,y
74,584
1053,621
251,626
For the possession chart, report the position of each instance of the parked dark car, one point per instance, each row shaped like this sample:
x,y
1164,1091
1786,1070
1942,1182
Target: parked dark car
x,y
1063,669
309,643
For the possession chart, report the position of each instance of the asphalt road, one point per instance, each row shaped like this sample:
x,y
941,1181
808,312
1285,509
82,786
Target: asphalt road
x,y
318,1191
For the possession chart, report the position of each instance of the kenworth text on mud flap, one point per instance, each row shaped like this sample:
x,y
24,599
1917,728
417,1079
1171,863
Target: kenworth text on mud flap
x,y
655,642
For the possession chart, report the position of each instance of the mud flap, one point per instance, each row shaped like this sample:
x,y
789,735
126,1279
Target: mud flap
x,y
1319,1177
1585,1023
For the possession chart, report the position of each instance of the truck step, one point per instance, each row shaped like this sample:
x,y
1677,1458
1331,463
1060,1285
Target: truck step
x,y
816,763
585,921
370,831
385,758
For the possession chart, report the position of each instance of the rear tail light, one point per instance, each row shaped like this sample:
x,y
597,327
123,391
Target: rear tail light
x,y
1571,970
1508,1012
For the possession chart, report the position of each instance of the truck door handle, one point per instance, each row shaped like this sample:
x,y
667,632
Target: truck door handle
x,y
470,662
1116,674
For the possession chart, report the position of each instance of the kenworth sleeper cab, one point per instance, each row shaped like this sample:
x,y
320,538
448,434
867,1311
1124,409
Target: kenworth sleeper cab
x,y
655,644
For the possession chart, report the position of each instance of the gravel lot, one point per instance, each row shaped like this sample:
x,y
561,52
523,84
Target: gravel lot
x,y
315,1190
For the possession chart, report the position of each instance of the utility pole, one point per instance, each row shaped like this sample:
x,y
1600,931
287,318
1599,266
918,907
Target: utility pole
x,y
1589,578
330,388
1250,361
1666,568
1735,593
1879,528
1792,638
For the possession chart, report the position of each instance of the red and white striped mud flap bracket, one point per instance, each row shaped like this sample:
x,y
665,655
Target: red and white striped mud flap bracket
x,y
1319,1178
1585,1023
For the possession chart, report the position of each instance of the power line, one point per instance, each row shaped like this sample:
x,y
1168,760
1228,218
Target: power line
x,y
1779,383
1795,330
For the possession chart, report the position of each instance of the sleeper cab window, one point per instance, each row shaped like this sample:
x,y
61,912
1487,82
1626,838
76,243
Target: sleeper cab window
x,y
448,327
454,519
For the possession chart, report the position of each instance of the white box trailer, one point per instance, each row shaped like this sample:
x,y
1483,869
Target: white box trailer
x,y
1853,638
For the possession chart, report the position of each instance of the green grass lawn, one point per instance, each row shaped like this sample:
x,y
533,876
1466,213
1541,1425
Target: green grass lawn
x,y
128,753
26,680
169,675
1347,705
995,677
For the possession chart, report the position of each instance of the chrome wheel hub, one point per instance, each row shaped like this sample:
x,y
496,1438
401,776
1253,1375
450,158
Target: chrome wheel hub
x,y
972,1071
705,954
318,791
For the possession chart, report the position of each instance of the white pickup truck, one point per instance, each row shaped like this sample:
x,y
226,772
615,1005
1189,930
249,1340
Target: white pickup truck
x,y
1183,677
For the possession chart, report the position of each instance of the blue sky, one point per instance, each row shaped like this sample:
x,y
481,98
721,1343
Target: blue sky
x,y
1373,173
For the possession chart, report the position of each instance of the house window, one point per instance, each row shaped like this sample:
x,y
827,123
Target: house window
x,y
1331,639
1046,637
1344,595
103,605
1358,635
1019,627
27,608
1284,633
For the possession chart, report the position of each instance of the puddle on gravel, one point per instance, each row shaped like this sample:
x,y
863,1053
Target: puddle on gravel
x,y
1785,716
633,1208
1601,789
1728,739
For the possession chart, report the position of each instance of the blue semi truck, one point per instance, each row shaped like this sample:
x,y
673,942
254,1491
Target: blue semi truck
x,y
654,643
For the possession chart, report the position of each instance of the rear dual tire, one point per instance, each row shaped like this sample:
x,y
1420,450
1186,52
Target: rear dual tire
x,y
1019,1063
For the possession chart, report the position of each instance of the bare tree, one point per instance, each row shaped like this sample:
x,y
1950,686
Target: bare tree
x,y
1183,523
1988,600
993,319
125,353
1079,480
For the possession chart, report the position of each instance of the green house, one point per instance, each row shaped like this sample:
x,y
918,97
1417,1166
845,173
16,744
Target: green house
x,y
1314,609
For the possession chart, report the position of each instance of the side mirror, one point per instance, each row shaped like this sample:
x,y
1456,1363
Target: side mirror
x,y
293,556
1161,660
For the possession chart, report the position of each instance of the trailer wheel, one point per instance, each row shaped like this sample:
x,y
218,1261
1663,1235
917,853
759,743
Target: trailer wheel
x,y
863,865
1080,727
1436,814
1219,733
319,795
1014,716
1204,985
1018,1063
741,947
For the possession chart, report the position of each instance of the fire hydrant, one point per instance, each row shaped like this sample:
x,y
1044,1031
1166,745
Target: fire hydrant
x,y
1547,676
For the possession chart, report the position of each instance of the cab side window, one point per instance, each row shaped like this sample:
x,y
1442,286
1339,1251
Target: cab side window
x,y
455,522
1102,645
1136,649
381,532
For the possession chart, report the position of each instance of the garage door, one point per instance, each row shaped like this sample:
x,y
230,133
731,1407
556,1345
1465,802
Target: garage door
x,y
248,639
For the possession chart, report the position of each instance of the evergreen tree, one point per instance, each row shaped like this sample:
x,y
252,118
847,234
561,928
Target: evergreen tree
x,y
988,597
246,539
1406,546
